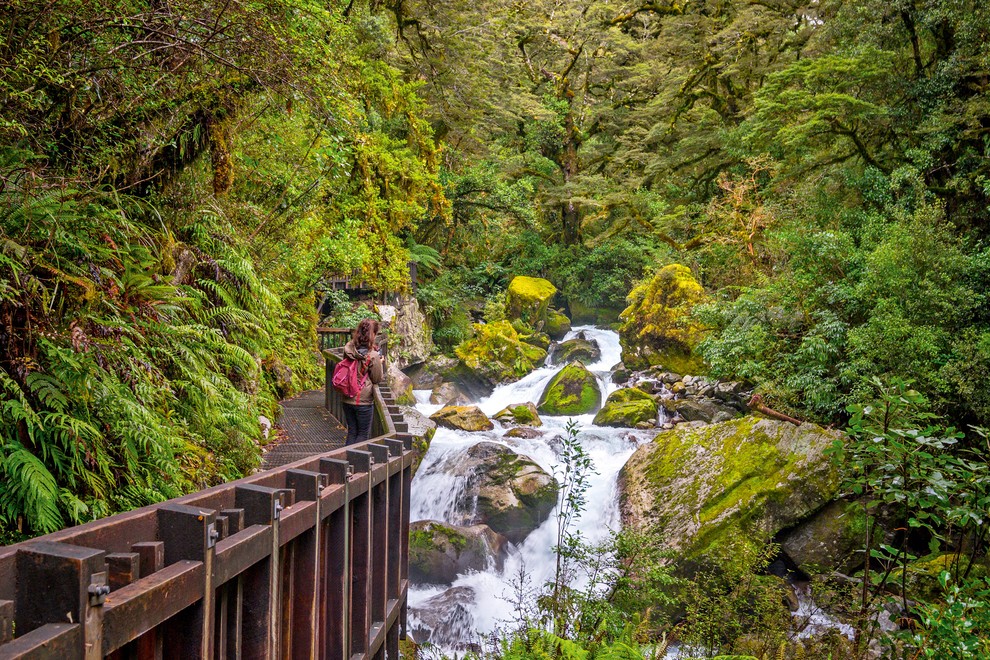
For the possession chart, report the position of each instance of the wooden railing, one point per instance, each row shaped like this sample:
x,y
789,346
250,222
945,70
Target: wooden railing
x,y
309,560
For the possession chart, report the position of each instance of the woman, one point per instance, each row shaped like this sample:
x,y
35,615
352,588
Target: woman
x,y
359,411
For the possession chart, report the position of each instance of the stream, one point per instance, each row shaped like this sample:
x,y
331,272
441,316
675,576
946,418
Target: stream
x,y
457,617
436,494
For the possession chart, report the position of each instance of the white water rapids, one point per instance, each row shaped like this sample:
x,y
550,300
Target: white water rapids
x,y
436,493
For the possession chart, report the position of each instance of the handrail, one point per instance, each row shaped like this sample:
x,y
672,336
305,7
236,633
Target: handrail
x,y
306,560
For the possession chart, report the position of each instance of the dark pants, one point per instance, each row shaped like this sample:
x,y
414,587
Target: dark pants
x,y
358,421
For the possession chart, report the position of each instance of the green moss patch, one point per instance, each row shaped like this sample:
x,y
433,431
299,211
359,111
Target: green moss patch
x,y
497,354
573,391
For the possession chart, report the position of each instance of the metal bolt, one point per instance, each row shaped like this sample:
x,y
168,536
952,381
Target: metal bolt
x,y
98,594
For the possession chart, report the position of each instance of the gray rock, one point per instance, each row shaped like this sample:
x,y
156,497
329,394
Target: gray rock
x,y
412,341
700,410
579,348
744,480
438,552
829,540
727,391
431,373
445,620
509,492
447,394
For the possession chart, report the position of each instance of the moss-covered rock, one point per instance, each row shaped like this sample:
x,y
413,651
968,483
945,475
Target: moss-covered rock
x,y
830,540
528,298
519,414
401,386
579,348
422,429
513,494
748,478
539,339
496,354
657,326
573,391
557,325
626,408
439,552
464,418
922,582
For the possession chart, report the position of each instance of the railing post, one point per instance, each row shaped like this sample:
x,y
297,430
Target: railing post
x,y
260,586
73,582
361,513
306,573
338,565
190,533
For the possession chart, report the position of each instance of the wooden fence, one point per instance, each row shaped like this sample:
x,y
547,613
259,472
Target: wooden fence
x,y
309,560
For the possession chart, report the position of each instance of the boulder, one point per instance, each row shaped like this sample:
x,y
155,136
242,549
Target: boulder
x,y
557,325
746,479
463,418
524,432
519,414
411,340
438,553
573,391
400,384
830,540
579,348
511,494
657,326
448,394
497,355
539,339
620,374
627,408
527,299
422,429
445,620
701,410
435,370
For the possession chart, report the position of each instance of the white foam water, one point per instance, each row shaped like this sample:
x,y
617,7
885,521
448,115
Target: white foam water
x,y
437,494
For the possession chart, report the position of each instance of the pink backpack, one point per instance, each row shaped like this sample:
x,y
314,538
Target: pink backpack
x,y
346,378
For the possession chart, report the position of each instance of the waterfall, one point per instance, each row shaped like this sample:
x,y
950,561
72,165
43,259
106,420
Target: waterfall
x,y
438,495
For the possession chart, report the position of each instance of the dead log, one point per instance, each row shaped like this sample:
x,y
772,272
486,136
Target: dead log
x,y
756,403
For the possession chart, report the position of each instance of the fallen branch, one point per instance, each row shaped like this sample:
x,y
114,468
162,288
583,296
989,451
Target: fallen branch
x,y
756,403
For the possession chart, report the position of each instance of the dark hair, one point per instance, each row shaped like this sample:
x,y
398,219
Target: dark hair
x,y
364,333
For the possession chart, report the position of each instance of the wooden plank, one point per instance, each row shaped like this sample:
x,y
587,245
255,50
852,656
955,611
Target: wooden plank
x,y
149,602
52,640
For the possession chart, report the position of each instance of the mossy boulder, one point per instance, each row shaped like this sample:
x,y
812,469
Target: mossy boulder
x,y
557,325
429,374
746,479
511,493
422,429
539,339
572,391
519,414
579,348
922,581
658,328
496,354
438,552
464,418
830,540
627,407
401,386
527,299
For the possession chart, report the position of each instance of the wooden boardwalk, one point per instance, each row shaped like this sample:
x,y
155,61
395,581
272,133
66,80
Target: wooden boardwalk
x,y
308,429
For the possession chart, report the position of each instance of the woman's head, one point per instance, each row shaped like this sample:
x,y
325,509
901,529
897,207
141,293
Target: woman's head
x,y
364,333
